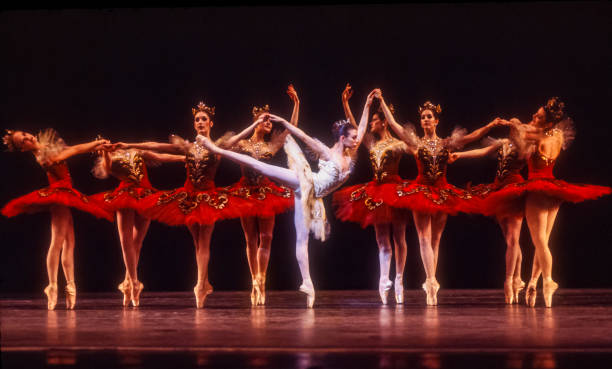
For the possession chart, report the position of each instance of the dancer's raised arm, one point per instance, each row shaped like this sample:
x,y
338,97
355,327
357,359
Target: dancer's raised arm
x,y
346,95
480,132
477,153
242,135
408,137
315,145
296,104
363,123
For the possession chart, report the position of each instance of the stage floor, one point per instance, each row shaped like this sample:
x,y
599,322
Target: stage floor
x,y
471,328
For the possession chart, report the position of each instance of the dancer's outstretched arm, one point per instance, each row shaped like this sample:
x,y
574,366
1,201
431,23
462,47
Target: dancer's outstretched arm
x,y
363,123
78,149
162,158
480,132
283,175
150,145
346,95
242,135
477,153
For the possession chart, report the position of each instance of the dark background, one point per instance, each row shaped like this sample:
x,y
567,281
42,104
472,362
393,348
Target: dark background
x,y
134,74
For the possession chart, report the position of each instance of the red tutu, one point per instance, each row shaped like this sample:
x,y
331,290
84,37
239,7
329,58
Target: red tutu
x,y
187,205
502,198
59,192
441,197
368,204
266,198
128,195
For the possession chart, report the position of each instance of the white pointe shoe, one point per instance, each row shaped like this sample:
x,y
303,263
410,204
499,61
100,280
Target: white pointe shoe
x,y
262,291
431,287
308,289
255,293
124,287
136,288
399,289
201,291
531,293
384,287
509,292
548,289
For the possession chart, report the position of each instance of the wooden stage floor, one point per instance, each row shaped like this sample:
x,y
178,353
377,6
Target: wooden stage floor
x,y
347,329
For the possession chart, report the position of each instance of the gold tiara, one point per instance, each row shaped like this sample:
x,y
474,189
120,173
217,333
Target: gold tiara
x,y
7,140
429,106
258,111
201,107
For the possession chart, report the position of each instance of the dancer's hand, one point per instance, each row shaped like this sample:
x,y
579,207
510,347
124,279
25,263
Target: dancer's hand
x,y
276,118
370,98
207,143
347,93
292,93
452,157
377,93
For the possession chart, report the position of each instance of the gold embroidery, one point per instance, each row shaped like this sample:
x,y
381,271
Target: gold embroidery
x,y
109,196
46,192
369,202
128,165
260,192
187,202
443,193
385,157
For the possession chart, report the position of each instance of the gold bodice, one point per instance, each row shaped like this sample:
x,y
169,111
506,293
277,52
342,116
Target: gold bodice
x,y
257,150
508,160
385,156
127,165
201,166
432,159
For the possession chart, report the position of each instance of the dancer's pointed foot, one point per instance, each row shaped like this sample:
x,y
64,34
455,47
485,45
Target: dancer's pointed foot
x,y
509,292
201,291
517,286
124,287
431,287
136,287
399,289
51,292
308,289
531,293
384,286
262,290
548,289
255,292
70,295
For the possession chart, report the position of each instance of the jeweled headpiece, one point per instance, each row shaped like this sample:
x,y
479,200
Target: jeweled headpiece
x,y
201,107
428,105
258,111
554,109
7,140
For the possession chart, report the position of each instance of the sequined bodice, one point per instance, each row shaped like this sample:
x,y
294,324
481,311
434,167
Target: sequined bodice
x,y
508,161
58,172
432,159
258,150
540,166
128,166
329,177
385,156
201,166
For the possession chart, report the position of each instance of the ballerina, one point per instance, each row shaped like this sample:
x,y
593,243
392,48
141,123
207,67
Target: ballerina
x,y
126,202
553,132
335,165
199,203
268,198
51,153
429,196
368,204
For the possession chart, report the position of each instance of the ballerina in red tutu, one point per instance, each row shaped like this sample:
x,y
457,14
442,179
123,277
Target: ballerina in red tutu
x,y
126,202
368,203
429,196
267,198
507,208
51,153
553,132
199,203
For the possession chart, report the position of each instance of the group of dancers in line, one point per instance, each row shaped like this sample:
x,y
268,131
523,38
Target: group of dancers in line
x,y
265,190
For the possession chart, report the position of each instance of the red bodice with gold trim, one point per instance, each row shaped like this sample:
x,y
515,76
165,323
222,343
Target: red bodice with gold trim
x,y
201,168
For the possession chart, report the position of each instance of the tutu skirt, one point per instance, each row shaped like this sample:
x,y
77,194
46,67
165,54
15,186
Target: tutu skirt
x,y
266,199
441,197
502,198
127,195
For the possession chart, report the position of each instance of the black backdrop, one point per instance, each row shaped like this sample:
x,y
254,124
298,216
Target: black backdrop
x,y
133,74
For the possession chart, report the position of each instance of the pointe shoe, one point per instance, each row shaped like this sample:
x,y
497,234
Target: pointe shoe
x,y
531,294
431,287
399,290
201,292
509,292
70,295
124,287
548,289
517,286
262,291
51,292
136,289
308,289
384,287
254,293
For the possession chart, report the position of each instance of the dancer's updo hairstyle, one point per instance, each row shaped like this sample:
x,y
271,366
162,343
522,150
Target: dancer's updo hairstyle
x,y
7,140
341,128
554,110
428,105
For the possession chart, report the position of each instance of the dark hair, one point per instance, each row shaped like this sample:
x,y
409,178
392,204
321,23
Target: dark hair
x,y
554,110
9,141
341,128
